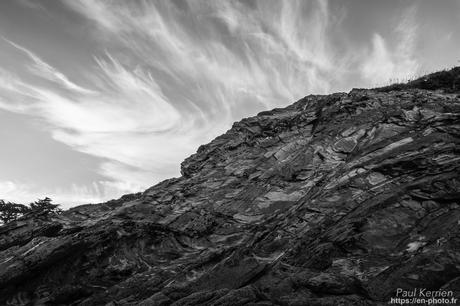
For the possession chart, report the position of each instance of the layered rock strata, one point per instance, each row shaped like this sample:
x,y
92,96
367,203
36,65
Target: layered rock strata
x,y
334,200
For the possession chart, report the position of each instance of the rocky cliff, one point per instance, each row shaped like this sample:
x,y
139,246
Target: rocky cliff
x,y
334,200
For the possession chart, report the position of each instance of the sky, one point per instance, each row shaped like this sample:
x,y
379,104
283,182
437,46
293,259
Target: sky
x,y
103,98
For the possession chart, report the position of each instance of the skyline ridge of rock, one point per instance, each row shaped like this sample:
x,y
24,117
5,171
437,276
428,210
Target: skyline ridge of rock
x,y
337,199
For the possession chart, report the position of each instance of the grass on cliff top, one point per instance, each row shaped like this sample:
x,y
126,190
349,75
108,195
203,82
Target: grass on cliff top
x,y
447,80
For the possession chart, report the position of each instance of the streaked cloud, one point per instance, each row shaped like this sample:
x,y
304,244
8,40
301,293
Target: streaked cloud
x,y
395,63
74,194
42,69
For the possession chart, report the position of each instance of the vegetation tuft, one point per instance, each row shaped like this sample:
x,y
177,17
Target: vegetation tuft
x,y
447,80
10,211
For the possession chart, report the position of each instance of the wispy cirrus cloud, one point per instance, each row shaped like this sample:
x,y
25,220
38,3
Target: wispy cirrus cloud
x,y
72,195
46,71
398,62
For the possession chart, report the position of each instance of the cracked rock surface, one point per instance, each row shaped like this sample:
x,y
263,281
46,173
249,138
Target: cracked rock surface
x,y
334,200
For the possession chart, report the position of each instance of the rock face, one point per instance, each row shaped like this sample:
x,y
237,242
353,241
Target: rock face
x,y
334,200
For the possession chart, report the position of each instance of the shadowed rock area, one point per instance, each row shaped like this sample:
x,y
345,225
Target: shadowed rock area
x,y
334,200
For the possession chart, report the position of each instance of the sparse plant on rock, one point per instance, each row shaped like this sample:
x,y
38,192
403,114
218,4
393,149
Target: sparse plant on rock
x,y
11,211
45,205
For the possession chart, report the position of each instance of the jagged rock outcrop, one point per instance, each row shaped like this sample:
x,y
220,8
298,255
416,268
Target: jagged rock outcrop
x,y
335,200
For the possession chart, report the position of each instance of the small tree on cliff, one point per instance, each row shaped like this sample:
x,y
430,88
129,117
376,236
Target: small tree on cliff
x,y
45,205
11,211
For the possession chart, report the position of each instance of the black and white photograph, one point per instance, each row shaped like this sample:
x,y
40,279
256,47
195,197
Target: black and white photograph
x,y
229,152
